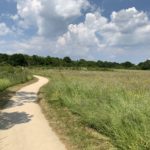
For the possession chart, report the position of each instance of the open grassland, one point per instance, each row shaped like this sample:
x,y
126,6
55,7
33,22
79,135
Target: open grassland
x,y
10,76
115,104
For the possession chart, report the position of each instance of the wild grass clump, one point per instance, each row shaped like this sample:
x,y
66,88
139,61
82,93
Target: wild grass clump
x,y
4,83
116,104
10,76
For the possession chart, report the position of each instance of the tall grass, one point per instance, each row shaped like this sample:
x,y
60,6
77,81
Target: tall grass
x,y
116,104
10,76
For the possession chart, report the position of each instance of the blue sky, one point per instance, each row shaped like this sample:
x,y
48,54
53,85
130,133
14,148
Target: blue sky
x,y
116,5
112,30
8,7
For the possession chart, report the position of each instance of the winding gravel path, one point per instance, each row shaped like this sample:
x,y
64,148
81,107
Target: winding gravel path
x,y
22,124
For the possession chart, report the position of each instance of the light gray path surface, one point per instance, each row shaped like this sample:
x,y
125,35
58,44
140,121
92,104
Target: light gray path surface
x,y
22,124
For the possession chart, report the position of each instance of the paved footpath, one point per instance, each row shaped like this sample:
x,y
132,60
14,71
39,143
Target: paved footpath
x,y
22,124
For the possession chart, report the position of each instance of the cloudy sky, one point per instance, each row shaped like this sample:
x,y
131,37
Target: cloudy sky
x,y
112,30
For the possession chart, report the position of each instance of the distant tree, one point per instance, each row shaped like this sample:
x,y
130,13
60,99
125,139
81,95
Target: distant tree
x,y
67,61
17,60
127,64
91,64
48,60
29,60
82,63
99,63
56,62
37,60
4,58
144,65
26,60
105,64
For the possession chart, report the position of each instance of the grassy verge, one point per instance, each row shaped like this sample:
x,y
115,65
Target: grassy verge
x,y
115,104
9,78
69,125
70,128
11,91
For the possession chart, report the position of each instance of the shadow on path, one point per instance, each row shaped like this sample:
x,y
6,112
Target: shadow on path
x,y
21,98
8,120
5,97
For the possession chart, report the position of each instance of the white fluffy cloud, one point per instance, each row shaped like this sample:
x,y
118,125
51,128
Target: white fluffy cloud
x,y
127,20
126,31
51,17
125,34
4,30
132,26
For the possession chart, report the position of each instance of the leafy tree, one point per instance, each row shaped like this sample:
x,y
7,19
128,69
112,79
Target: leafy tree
x,y
144,65
127,64
82,63
17,60
26,60
67,61
4,58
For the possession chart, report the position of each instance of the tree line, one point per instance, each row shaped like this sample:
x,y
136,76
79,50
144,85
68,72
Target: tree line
x,y
26,60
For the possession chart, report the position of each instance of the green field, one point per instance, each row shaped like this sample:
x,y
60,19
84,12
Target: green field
x,y
115,104
10,76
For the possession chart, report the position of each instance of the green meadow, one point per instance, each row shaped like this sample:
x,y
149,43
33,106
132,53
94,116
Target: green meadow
x,y
113,103
12,75
92,110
